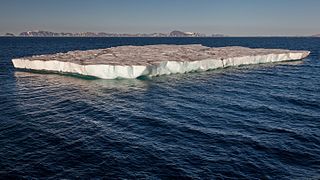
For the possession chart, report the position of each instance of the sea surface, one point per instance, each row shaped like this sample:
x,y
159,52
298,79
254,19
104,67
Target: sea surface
x,y
249,122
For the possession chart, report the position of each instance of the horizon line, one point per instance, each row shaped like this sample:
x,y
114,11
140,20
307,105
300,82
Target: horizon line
x,y
5,34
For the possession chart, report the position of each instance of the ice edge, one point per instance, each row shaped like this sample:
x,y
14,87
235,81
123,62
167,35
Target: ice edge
x,y
105,71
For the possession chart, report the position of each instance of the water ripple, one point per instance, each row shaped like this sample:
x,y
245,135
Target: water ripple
x,y
249,122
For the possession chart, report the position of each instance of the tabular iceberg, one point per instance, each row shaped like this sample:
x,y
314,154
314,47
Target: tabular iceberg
x,y
153,60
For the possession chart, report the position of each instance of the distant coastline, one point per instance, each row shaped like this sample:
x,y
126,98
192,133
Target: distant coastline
x,y
41,33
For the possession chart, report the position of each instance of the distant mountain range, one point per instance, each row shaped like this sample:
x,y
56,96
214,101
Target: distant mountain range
x,y
316,35
103,34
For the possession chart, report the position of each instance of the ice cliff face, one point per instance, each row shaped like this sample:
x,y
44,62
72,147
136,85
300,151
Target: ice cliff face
x,y
154,60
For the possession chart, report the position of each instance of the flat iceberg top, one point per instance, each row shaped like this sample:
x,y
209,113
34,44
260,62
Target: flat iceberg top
x,y
155,54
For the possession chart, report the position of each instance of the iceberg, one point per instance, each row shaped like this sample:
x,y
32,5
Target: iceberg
x,y
153,60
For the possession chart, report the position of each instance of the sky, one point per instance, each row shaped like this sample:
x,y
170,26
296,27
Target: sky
x,y
229,17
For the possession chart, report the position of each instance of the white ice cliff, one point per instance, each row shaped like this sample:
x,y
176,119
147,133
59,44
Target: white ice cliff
x,y
153,60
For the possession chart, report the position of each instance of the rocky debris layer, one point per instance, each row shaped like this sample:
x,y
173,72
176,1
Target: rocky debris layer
x,y
152,60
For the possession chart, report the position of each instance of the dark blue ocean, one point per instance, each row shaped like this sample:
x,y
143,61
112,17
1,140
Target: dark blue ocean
x,y
249,122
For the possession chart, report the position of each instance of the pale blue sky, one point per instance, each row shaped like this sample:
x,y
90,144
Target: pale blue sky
x,y
231,17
